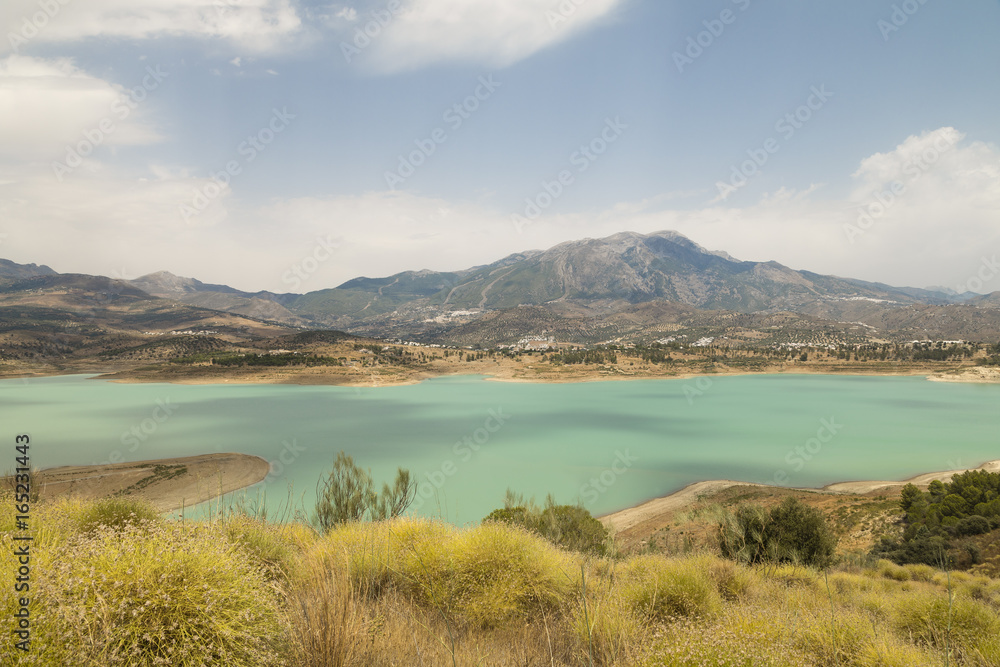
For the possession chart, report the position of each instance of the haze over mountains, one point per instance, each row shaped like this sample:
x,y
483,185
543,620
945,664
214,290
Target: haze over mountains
x,y
646,279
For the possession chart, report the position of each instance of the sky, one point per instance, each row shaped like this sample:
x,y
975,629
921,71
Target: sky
x,y
291,145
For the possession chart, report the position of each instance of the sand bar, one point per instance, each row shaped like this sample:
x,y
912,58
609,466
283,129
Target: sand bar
x,y
168,484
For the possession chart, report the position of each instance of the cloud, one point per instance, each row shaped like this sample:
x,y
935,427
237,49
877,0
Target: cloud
x,y
260,25
494,34
936,231
48,105
348,14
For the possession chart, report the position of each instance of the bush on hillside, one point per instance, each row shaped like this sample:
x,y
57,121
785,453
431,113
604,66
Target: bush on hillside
x,y
117,512
569,526
791,532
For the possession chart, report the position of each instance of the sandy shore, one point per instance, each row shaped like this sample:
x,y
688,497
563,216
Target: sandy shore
x,y
981,374
652,509
168,484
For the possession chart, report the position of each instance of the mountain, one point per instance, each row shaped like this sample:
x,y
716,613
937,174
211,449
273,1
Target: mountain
x,y
627,268
985,300
76,320
260,305
9,269
626,286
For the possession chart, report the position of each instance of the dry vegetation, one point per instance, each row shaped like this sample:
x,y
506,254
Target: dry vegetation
x,y
368,362
114,584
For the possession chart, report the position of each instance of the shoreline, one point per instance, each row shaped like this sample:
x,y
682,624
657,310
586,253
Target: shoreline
x,y
168,484
970,375
652,509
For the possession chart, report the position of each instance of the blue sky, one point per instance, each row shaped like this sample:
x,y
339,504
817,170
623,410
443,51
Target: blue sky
x,y
853,138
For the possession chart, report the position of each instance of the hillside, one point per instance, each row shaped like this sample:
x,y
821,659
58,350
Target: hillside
x,y
69,322
416,591
626,288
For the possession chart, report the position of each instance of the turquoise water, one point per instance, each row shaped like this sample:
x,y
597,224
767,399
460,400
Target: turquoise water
x,y
609,445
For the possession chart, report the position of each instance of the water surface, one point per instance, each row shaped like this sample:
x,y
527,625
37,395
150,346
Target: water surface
x,y
609,445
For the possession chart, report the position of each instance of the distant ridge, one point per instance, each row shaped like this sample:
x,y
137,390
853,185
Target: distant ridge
x,y
9,269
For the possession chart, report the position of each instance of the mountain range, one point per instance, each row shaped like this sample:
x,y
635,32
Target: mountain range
x,y
647,279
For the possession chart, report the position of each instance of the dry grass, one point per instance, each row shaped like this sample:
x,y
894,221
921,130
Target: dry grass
x,y
111,589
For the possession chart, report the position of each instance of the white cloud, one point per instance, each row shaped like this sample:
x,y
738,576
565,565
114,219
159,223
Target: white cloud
x,y
260,25
348,14
495,34
47,105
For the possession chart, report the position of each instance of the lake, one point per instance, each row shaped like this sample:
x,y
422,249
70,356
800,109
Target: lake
x,y
608,445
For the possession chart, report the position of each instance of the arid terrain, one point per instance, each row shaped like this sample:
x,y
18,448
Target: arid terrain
x,y
168,484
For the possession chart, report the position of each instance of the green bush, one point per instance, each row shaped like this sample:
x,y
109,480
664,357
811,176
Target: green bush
x,y
923,548
791,532
568,526
972,525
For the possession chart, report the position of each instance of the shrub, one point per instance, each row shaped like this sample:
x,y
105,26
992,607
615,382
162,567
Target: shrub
x,y
489,575
926,549
116,512
972,525
568,526
270,547
743,535
375,553
662,589
157,595
492,574
928,619
791,532
605,628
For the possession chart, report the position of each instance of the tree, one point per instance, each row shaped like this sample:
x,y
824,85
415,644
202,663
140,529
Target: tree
x,y
908,495
394,500
348,494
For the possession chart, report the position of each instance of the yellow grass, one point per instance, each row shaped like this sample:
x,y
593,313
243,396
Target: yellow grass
x,y
415,592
